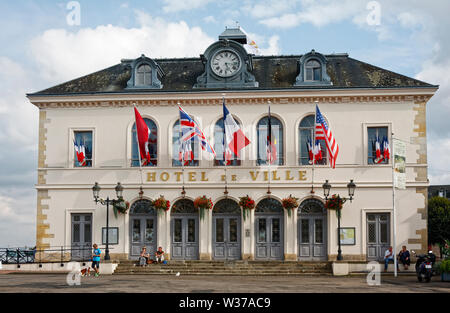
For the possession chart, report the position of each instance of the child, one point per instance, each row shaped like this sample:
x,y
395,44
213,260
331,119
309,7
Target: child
x,y
96,259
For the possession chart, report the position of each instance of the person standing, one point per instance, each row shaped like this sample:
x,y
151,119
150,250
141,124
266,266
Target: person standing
x,y
96,259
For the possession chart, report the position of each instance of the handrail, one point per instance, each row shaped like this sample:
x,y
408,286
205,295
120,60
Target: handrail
x,y
61,254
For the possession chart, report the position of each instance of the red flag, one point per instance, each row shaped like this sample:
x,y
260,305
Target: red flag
x,y
143,133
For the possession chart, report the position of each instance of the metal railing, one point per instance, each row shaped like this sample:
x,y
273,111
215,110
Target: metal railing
x,y
61,254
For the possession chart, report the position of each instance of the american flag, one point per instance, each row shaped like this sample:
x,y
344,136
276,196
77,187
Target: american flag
x,y
189,131
324,133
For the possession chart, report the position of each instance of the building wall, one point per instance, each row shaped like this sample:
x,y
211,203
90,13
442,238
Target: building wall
x,y
63,189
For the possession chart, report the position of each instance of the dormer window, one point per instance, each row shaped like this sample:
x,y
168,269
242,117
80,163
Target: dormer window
x,y
312,70
144,75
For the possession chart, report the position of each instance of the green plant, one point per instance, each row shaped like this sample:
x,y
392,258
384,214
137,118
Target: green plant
x,y
438,220
445,266
289,203
121,206
247,204
202,204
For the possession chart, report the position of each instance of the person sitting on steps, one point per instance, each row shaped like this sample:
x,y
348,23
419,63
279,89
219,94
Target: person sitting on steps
x,y
144,257
159,255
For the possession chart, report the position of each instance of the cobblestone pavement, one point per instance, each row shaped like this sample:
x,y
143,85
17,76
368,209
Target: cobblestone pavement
x,y
36,283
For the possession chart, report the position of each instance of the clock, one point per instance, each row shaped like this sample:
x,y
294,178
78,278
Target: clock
x,y
225,63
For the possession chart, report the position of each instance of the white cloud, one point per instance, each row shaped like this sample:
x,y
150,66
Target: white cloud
x,y
183,5
210,19
63,55
317,13
268,8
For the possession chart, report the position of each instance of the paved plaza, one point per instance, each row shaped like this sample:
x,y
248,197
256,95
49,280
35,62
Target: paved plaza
x,y
36,283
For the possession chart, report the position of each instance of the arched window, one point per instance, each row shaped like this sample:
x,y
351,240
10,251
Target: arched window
x,y
227,206
277,140
152,144
142,207
176,148
311,206
269,205
144,75
183,206
313,70
305,134
218,146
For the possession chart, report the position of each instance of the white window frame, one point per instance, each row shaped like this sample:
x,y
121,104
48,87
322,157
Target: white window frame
x,y
71,153
365,128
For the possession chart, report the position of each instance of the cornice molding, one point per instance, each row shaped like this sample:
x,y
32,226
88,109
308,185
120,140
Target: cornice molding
x,y
233,99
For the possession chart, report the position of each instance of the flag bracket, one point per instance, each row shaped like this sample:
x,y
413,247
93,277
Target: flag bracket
x,y
183,192
141,193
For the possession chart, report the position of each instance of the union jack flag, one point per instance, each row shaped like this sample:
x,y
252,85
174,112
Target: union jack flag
x,y
323,132
189,131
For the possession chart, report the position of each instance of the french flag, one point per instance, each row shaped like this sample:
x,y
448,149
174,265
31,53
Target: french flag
x,y
386,149
317,152
80,151
186,154
234,139
310,151
143,133
379,156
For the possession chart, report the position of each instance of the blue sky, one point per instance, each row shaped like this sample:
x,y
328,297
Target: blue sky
x,y
39,49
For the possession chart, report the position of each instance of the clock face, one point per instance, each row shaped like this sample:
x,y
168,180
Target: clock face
x,y
225,63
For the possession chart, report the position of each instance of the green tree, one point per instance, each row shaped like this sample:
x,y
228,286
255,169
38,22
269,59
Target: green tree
x,y
438,220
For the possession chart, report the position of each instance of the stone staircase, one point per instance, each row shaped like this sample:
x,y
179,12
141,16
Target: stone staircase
x,y
235,268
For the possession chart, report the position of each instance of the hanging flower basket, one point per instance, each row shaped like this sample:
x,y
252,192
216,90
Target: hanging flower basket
x,y
203,203
289,204
335,203
121,207
247,204
161,204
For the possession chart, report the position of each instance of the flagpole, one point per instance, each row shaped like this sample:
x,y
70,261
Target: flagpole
x,y
313,146
224,149
270,149
183,192
139,148
393,209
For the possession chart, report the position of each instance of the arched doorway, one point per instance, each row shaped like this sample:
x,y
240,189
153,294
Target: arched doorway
x,y
184,230
226,230
142,228
269,230
312,231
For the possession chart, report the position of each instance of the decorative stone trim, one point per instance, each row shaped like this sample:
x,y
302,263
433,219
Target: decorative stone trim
x,y
42,227
231,100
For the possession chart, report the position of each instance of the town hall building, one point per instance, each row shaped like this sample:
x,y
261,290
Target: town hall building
x,y
358,100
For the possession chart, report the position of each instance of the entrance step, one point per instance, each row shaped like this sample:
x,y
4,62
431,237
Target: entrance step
x,y
226,268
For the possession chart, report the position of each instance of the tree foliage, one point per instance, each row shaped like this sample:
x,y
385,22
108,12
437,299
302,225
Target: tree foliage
x,y
438,220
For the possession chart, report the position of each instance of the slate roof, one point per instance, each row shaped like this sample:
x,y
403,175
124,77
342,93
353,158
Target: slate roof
x,y
272,72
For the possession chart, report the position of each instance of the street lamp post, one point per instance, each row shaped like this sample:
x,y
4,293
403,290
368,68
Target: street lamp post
x,y
96,192
351,192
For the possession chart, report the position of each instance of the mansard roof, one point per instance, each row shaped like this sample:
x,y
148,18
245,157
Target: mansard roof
x,y
271,72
